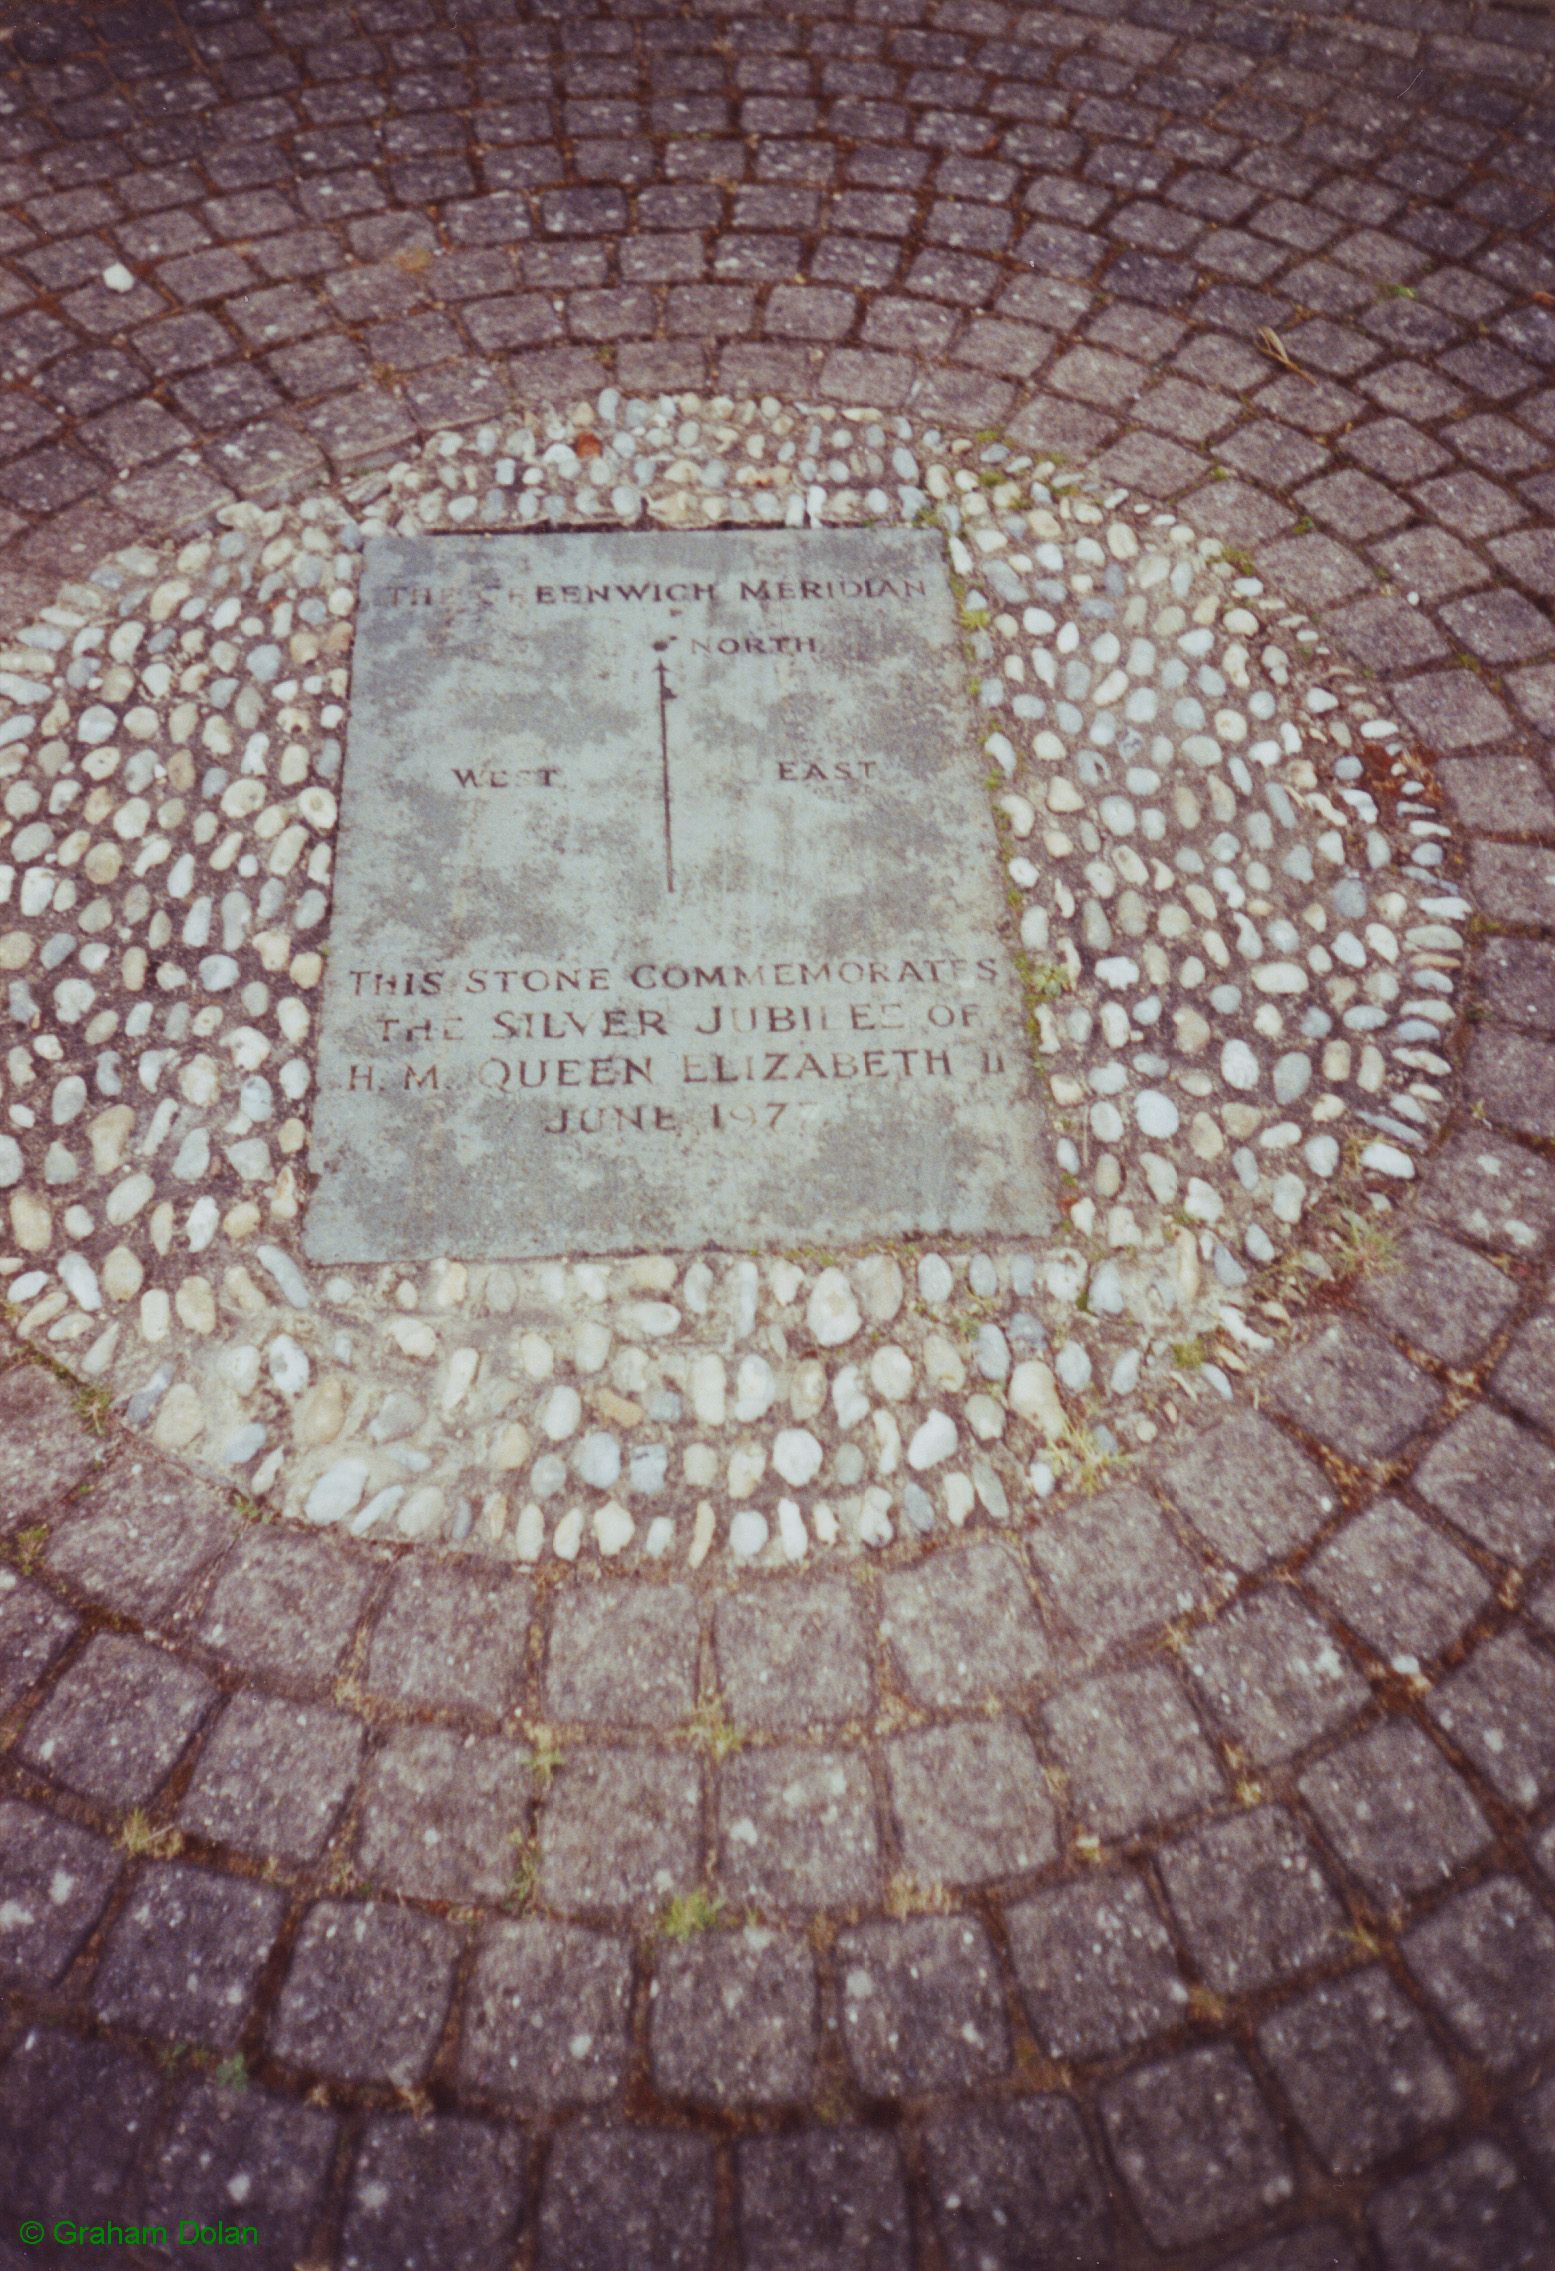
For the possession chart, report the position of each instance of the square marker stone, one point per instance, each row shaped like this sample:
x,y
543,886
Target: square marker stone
x,y
668,899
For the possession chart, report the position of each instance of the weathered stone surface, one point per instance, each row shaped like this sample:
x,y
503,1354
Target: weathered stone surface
x,y
792,1656
921,2005
797,1830
238,2155
1246,1487
1350,1389
448,2192
55,1879
453,1636
623,1653
1133,1750
366,1993
1013,2185
285,1605
442,1813
545,2022
185,1954
34,1627
44,1450
562,801
1496,1480
140,1535
1398,1583
1441,1296
824,2201
1358,2063
1486,1960
620,1829
116,1724
1197,2146
963,1628
970,1802
74,2120
273,1777
733,2020
1471,2211
1400,1817
1095,1966
1498,1709
1251,1899
1272,1676
637,2199
1112,1568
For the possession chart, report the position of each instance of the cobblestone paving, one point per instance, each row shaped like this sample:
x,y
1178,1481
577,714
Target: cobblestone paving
x,y
426,1913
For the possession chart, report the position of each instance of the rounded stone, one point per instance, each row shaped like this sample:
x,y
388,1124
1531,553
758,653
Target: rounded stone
x,y
748,1533
797,1455
614,1528
1238,1065
936,1280
1073,1366
597,1460
337,1493
934,1441
1157,1116
832,1313
561,1412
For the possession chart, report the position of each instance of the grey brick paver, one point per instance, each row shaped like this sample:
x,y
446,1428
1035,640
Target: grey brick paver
x,y
970,1802
1197,2146
1133,1749
273,1778
366,1992
184,1955
1016,2178
114,1727
639,2198
55,1881
1360,2067
44,1451
450,2192
922,2007
546,2015
1251,1900
1095,1965
835,2201
733,2021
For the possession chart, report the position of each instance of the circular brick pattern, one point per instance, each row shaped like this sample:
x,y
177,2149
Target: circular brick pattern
x,y
1063,1940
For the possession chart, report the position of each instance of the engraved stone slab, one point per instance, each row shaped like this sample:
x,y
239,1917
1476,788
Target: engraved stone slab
x,y
668,906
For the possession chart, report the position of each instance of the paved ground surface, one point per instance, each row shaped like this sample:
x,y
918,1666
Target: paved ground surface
x,y
1226,1943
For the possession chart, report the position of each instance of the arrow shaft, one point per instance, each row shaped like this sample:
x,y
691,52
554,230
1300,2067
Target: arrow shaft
x,y
664,780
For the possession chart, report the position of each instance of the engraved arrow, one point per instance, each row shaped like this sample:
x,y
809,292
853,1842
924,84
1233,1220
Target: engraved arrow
x,y
666,696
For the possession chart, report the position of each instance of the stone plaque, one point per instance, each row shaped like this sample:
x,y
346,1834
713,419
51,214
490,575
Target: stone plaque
x,y
668,906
